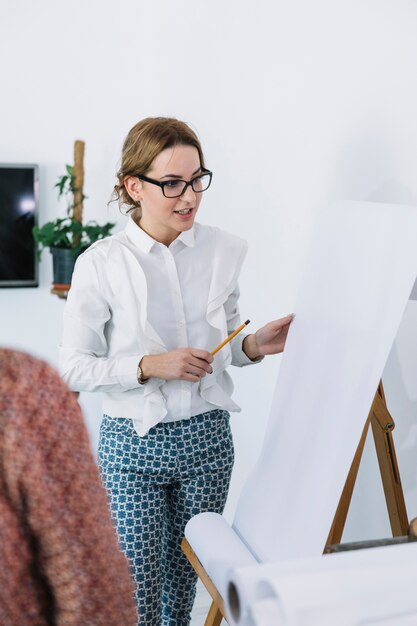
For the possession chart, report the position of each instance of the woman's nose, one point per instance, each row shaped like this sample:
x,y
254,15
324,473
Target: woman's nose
x,y
189,194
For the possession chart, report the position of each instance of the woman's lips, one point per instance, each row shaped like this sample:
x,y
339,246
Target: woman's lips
x,y
185,213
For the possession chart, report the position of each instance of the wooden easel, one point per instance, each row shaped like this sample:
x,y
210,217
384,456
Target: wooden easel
x,y
382,425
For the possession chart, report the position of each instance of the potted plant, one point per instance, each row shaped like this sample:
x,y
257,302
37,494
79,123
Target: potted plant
x,y
68,237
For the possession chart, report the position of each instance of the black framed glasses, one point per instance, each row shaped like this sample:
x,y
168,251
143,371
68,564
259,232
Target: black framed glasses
x,y
176,188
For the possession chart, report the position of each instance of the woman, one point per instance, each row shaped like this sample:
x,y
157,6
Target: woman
x,y
145,309
60,562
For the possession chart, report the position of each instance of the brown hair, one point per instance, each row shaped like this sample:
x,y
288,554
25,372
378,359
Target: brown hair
x,y
143,143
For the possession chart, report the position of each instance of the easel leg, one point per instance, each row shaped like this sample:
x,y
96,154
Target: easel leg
x,y
339,520
217,610
214,616
382,426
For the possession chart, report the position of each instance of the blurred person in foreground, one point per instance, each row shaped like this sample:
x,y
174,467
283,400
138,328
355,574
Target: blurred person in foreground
x,y
60,563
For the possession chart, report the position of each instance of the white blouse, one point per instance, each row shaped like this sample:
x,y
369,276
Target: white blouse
x,y
132,296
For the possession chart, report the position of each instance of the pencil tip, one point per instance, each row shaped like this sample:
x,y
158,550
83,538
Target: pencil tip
x,y
247,322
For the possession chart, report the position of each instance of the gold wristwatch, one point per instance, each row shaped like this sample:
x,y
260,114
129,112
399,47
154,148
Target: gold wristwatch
x,y
141,379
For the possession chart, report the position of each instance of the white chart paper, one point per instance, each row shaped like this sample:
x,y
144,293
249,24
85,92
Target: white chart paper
x,y
361,269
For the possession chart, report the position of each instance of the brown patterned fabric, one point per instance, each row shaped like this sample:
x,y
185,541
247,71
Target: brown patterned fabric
x,y
60,562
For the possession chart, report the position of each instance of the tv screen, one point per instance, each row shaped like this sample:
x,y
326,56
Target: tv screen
x,y
18,215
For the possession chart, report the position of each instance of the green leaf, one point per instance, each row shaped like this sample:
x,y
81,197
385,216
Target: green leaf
x,y
66,232
61,233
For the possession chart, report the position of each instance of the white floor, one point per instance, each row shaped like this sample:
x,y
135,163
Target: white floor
x,y
201,606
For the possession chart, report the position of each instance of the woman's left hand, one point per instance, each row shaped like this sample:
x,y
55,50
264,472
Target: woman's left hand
x,y
270,339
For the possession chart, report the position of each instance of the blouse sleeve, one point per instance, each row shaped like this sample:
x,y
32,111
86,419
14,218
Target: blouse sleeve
x,y
231,306
84,362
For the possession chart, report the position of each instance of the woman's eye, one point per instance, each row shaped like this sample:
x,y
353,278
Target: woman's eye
x,y
172,184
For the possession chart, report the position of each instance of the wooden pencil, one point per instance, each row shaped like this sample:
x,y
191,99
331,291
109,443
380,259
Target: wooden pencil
x,y
229,338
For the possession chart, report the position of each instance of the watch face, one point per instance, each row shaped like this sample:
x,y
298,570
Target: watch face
x,y
141,379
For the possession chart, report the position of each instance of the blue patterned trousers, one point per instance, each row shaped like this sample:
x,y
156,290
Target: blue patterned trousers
x,y
156,483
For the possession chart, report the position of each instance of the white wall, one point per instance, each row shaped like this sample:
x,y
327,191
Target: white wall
x,y
297,104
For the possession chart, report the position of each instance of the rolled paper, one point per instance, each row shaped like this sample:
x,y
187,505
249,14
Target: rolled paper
x,y
217,546
364,586
266,612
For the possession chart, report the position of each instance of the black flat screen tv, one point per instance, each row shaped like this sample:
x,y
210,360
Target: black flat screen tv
x,y
18,215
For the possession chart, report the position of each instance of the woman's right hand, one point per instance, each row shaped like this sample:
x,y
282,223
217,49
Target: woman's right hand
x,y
189,364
